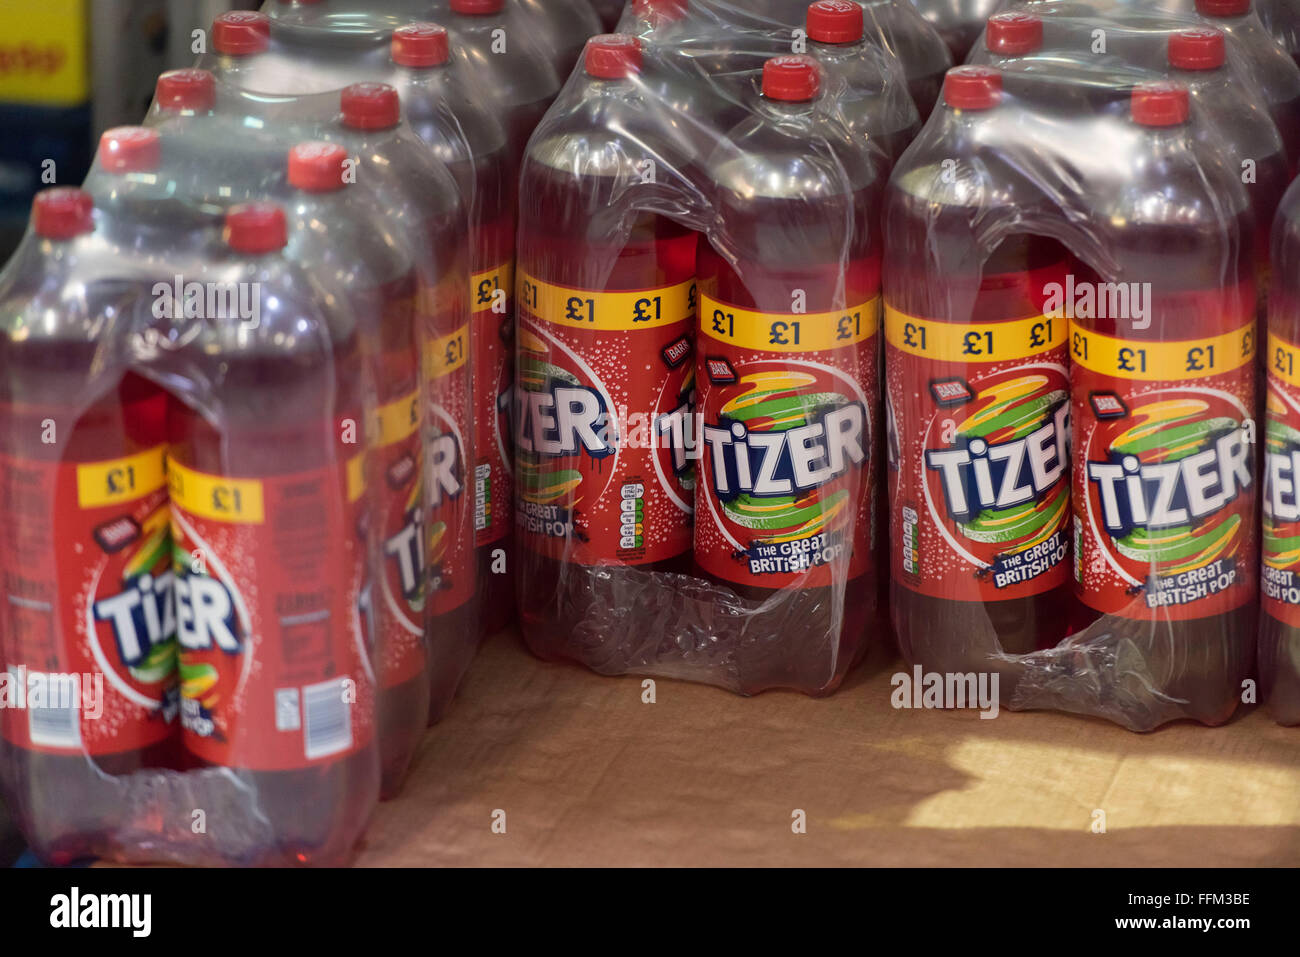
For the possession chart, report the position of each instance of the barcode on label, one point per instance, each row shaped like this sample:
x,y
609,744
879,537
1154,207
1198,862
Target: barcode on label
x,y
56,722
327,719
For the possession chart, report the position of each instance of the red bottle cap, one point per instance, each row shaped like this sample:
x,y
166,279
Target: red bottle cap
x,y
792,78
477,8
1160,104
371,106
668,11
1014,34
835,21
317,167
63,213
1222,8
972,87
421,45
194,90
241,33
1197,49
256,228
130,149
613,56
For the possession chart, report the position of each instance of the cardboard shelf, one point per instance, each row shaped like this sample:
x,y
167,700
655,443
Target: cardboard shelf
x,y
588,774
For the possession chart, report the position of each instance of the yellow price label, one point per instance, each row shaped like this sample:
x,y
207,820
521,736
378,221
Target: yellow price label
x,y
484,285
974,342
607,311
397,420
789,332
1283,361
446,354
232,501
1178,360
115,482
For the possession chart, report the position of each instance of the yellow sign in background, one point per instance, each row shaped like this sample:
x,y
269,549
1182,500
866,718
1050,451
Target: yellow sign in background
x,y
45,52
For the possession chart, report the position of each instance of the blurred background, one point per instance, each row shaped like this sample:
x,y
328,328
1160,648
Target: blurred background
x,y
70,69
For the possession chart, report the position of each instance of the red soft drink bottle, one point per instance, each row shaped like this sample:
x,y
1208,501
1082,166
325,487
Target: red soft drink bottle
x,y
976,379
267,477
85,549
470,141
607,300
872,97
500,43
421,198
788,381
1163,418
1279,636
1197,60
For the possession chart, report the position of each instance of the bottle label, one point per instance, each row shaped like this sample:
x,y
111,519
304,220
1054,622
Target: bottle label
x,y
788,428
397,487
450,545
87,629
492,293
1164,473
1281,544
273,620
603,413
979,432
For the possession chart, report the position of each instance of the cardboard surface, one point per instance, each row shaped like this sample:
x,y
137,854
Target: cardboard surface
x,y
588,774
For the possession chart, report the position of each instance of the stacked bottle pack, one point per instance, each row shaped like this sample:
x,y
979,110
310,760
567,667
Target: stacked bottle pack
x,y
1074,358
698,425
254,470
712,361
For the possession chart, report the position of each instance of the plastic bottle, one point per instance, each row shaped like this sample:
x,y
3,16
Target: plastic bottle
x,y
787,372
85,549
607,302
1197,60
1163,415
874,99
521,77
1277,76
266,476
471,143
1279,639
976,375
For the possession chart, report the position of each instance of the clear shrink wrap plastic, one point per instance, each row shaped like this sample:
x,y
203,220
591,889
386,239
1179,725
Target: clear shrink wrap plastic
x,y
246,448
515,63
439,77
1253,50
1280,18
1071,384
1279,643
727,33
1236,112
959,22
561,27
698,432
